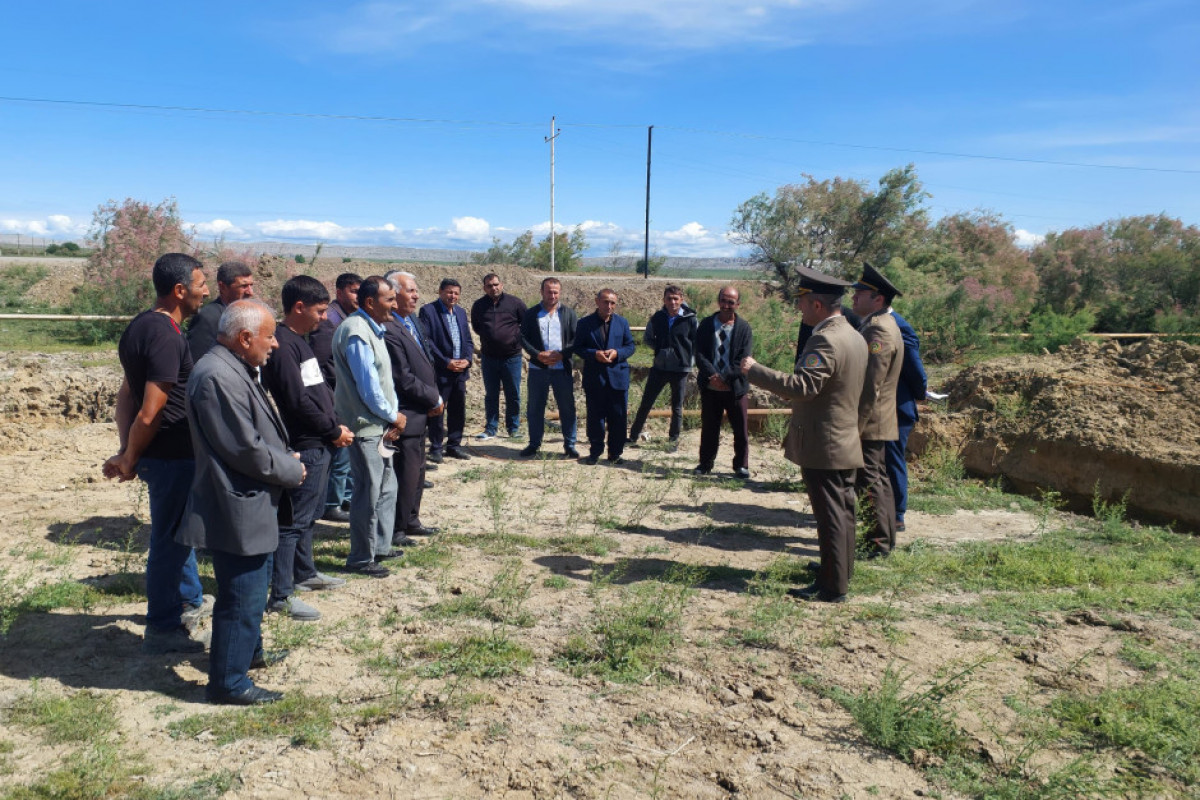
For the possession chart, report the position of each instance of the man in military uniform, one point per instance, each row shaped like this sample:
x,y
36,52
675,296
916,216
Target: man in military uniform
x,y
877,421
822,437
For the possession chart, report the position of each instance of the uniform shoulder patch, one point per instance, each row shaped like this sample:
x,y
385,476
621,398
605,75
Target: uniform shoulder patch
x,y
876,346
813,360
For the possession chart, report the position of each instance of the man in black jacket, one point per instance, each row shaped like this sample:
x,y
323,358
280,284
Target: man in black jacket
x,y
722,342
548,334
305,402
235,281
497,318
415,382
671,334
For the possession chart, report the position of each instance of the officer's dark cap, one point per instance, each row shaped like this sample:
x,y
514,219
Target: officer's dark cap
x,y
818,282
872,279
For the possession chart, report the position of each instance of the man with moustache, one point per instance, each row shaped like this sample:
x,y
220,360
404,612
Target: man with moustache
x,y
235,281
723,341
365,401
604,342
243,469
156,447
305,403
417,395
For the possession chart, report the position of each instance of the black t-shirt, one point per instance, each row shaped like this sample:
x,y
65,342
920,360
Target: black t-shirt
x,y
153,349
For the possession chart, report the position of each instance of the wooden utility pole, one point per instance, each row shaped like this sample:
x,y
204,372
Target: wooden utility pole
x,y
553,135
646,248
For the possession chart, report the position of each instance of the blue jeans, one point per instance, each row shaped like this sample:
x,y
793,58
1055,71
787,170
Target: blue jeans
x,y
373,504
171,576
541,382
294,556
340,484
237,620
497,372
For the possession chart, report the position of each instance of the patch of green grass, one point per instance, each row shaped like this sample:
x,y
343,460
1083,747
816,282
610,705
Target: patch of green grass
x,y
597,545
474,656
304,721
635,626
90,774
427,556
768,622
470,474
557,582
44,598
939,485
80,717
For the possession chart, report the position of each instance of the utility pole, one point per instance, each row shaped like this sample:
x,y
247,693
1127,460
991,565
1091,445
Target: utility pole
x,y
553,135
646,250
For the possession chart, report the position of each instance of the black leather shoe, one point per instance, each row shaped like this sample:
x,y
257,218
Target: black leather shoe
x,y
616,462
813,566
570,452
268,658
815,593
899,526
389,556
400,540
336,514
254,696
454,452
592,461
421,531
427,484
371,570
530,451
436,458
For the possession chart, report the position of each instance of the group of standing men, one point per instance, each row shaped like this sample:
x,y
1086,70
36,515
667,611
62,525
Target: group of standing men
x,y
361,383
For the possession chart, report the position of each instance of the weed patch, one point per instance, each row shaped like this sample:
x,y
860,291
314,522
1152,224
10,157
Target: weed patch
x,y
304,721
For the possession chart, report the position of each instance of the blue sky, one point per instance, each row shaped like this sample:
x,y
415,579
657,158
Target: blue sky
x,y
423,124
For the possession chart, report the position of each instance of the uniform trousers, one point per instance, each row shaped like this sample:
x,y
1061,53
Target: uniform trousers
x,y
831,493
875,486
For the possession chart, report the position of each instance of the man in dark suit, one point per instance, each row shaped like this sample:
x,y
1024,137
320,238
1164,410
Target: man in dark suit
x,y
453,349
235,281
243,467
911,389
548,336
723,341
604,342
416,390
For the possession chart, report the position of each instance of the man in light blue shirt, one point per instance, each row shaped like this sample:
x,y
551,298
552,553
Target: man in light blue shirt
x,y
365,401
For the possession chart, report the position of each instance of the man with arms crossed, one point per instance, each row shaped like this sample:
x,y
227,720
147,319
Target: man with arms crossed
x,y
243,467
365,400
452,348
235,281
157,447
306,405
723,341
548,336
822,437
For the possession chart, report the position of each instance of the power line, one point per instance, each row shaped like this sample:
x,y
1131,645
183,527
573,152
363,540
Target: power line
x,y
510,124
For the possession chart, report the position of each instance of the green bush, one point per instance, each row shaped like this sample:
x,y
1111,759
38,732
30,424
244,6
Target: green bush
x,y
1049,330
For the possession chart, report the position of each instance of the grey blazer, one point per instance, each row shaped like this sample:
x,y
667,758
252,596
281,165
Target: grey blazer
x,y
242,460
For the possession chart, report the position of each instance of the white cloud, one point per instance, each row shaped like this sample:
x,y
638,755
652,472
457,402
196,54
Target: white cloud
x,y
58,226
472,228
219,227
1027,240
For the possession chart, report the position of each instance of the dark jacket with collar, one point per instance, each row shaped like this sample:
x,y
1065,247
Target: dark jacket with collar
x,y
673,344
441,346
913,381
412,375
498,323
589,337
202,330
741,345
243,462
531,335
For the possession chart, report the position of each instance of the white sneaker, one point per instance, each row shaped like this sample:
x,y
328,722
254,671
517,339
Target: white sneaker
x,y
484,436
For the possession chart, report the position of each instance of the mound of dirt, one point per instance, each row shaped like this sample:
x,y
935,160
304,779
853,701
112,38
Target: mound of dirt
x,y
1093,417
39,391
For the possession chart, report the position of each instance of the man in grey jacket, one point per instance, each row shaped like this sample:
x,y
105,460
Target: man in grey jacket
x,y
243,466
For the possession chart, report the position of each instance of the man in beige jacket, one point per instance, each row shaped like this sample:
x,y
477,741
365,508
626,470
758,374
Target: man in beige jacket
x,y
877,422
823,436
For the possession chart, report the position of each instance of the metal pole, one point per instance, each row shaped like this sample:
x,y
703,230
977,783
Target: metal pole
x,y
646,248
553,135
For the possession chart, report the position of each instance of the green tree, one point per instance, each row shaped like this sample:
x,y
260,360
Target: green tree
x,y
568,252
832,225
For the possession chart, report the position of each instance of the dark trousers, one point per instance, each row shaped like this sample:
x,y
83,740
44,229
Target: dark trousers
x,y
897,467
831,493
541,383
713,407
606,408
237,620
409,464
654,385
874,485
501,372
447,427
294,557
